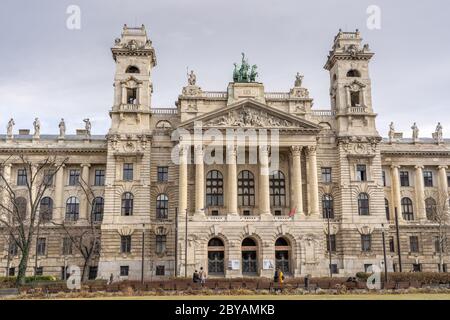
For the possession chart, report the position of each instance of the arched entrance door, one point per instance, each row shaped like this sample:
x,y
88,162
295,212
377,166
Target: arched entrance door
x,y
216,254
249,257
282,255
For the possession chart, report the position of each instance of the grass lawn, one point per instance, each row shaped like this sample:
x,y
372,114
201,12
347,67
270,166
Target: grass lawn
x,y
419,296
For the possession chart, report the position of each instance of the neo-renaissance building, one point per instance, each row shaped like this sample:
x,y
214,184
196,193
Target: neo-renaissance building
x,y
338,181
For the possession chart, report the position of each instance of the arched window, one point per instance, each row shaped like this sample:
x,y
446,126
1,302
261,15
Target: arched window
x,y
282,255
216,254
249,257
46,209
162,206
132,69
407,209
127,204
430,206
20,208
97,209
277,189
363,204
214,189
327,206
72,209
163,124
386,209
246,189
354,74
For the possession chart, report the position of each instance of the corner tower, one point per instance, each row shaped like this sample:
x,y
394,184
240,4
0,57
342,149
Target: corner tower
x,y
350,85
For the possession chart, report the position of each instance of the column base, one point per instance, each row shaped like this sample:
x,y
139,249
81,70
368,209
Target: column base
x,y
299,216
233,217
198,216
266,216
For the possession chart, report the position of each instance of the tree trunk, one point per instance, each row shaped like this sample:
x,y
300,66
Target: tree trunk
x,y
83,272
23,267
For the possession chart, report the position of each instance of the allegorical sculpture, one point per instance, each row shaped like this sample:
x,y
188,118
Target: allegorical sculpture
x,y
10,127
391,132
192,78
298,80
415,132
438,133
37,128
244,73
62,129
87,126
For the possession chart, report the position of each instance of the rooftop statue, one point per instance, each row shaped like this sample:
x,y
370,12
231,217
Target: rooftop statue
x,y
9,128
244,73
298,80
192,79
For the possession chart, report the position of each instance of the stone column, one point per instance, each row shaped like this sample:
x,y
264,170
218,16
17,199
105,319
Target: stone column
x,y
84,205
183,183
264,187
59,192
443,185
297,196
395,190
232,181
420,193
199,181
124,94
313,181
7,176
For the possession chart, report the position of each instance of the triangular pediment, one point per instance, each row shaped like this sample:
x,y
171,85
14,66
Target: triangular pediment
x,y
251,114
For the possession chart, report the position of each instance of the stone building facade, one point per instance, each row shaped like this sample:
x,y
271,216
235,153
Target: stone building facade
x,y
337,180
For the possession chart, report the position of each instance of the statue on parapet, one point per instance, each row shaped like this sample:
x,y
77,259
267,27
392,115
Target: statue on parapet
x,y
415,132
62,128
10,127
192,78
87,127
244,73
298,80
438,133
37,128
391,132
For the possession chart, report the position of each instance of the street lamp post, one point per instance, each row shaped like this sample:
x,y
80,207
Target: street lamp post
x,y
143,257
398,241
329,243
186,244
384,254
176,242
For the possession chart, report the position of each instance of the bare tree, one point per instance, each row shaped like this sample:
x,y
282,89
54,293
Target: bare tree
x,y
19,206
442,217
86,239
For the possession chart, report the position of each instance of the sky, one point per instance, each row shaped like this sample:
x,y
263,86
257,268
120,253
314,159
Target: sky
x,y
51,72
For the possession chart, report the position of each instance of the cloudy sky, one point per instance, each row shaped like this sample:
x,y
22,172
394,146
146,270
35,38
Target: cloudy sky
x,y
49,71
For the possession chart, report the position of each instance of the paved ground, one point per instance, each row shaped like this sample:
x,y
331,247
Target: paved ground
x,y
295,297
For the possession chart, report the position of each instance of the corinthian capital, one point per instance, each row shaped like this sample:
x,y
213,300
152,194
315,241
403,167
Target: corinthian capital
x,y
296,150
312,150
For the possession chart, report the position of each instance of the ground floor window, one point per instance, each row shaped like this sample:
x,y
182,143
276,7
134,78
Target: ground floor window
x,y
124,271
282,255
12,272
249,257
160,270
93,272
334,268
216,256
417,267
39,271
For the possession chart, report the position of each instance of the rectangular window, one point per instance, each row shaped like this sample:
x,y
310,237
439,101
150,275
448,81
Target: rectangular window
x,y
74,177
361,172
22,177
93,270
13,248
391,244
367,267
12,272
39,271
64,272
124,271
41,246
215,212
414,244
366,242
67,246
128,172
417,267
331,242
404,178
278,212
99,177
163,174
161,244
437,245
428,178
246,212
160,270
448,180
383,173
48,177
334,268
326,175
125,244
444,268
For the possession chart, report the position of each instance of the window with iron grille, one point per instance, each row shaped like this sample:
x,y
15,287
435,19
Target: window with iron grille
x,y
127,204
363,204
74,177
97,209
331,242
414,244
163,174
99,179
22,177
128,172
407,209
72,209
67,246
162,206
124,271
327,206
